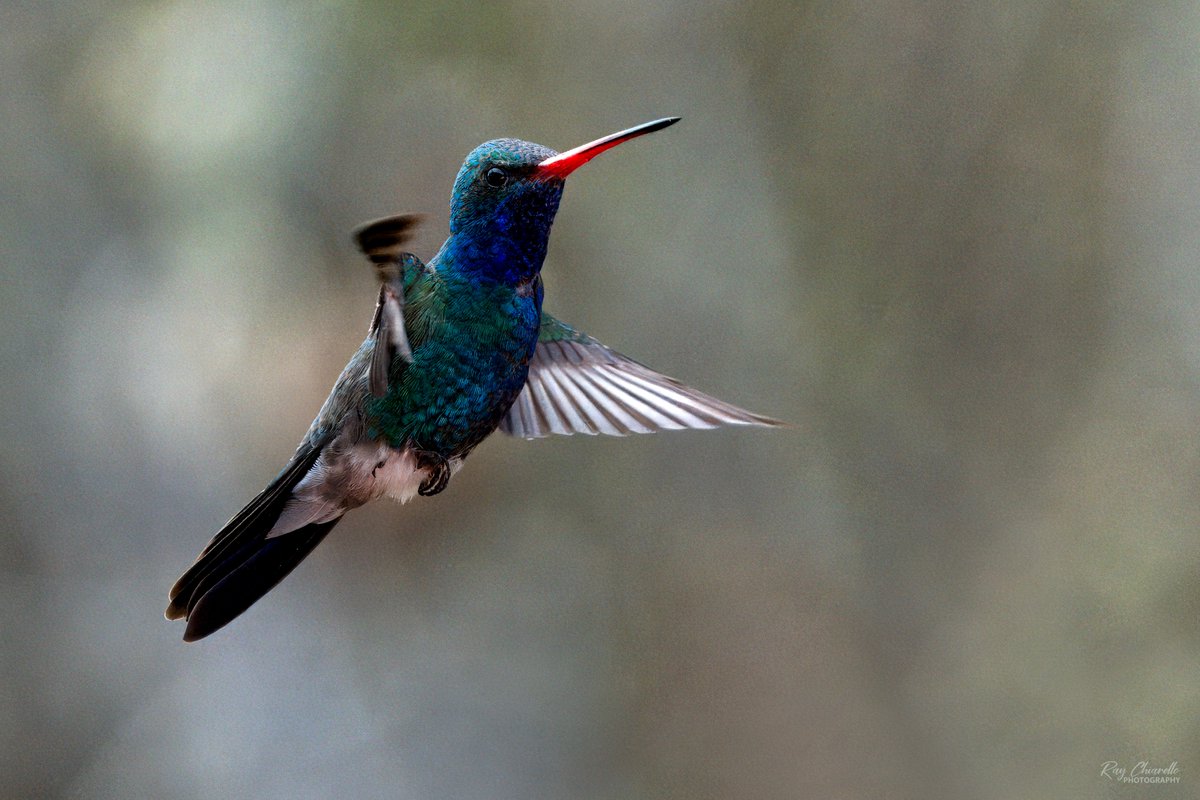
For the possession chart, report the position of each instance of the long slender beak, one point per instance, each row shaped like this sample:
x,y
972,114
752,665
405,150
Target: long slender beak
x,y
563,164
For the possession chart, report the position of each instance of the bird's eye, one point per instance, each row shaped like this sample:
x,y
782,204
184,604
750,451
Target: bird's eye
x,y
495,177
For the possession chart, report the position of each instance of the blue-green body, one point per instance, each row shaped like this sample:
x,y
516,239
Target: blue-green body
x,y
472,341
472,315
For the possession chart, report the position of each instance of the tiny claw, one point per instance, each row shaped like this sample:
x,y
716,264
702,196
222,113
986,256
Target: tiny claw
x,y
439,472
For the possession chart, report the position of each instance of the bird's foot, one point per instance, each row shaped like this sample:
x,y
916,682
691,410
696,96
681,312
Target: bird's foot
x,y
439,472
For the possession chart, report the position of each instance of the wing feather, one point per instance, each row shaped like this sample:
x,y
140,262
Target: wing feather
x,y
577,385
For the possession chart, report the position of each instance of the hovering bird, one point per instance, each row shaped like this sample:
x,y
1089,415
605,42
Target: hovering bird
x,y
457,348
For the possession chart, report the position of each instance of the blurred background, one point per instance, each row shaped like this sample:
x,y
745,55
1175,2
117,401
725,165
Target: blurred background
x,y
954,244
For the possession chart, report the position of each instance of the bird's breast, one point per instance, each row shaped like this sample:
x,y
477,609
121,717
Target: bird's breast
x,y
466,374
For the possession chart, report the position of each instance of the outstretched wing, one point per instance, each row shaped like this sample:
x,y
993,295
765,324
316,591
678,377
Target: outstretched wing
x,y
577,385
381,241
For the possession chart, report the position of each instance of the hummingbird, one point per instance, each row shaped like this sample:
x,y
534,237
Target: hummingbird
x,y
457,348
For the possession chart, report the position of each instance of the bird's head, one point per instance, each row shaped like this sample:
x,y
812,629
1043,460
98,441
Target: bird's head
x,y
498,192
507,193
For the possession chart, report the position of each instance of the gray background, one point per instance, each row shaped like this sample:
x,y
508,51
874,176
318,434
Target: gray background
x,y
953,243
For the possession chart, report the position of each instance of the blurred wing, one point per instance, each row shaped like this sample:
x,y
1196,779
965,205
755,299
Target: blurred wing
x,y
382,241
577,385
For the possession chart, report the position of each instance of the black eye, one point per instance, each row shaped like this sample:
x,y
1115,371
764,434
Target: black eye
x,y
495,177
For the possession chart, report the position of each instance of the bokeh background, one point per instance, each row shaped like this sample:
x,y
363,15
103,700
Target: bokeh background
x,y
954,243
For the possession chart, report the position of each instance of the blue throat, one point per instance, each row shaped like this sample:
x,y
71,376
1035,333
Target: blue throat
x,y
493,258
501,239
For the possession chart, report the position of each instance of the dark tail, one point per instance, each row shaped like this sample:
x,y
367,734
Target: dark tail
x,y
241,564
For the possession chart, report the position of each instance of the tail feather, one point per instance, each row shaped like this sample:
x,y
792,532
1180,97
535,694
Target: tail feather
x,y
247,575
241,564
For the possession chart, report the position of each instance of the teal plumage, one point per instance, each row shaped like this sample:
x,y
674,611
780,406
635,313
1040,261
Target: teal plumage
x,y
472,343
456,349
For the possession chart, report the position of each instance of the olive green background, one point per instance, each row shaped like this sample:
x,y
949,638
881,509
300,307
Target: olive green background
x,y
955,244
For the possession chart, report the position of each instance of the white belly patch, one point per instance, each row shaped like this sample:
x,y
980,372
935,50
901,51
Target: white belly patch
x,y
343,479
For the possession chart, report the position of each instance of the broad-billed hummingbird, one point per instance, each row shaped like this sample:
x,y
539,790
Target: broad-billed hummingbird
x,y
457,348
